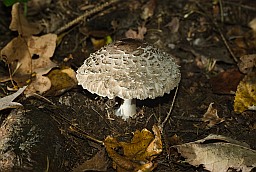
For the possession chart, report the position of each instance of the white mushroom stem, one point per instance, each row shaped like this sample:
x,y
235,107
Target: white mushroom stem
x,y
127,109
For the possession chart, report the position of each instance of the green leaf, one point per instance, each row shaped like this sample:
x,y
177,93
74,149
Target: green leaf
x,y
11,2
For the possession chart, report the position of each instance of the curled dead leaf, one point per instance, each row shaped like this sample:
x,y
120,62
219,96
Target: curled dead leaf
x,y
136,34
20,23
211,116
148,9
137,155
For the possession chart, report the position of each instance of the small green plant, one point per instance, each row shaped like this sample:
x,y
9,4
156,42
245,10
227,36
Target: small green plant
x,y
11,2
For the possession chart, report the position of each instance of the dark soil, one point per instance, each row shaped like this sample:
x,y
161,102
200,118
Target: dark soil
x,y
61,122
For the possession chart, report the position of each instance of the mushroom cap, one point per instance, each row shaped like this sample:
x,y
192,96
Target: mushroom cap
x,y
129,69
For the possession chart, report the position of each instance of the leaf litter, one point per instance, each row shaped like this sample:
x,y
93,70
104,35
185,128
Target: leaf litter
x,y
29,57
140,153
18,55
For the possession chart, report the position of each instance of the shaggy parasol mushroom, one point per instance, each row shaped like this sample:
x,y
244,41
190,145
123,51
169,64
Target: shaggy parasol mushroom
x,y
129,69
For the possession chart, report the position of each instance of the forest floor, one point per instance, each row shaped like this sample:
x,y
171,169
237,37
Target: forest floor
x,y
60,128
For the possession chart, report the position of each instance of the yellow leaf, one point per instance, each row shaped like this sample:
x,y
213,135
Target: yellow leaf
x,y
138,154
61,80
136,150
245,98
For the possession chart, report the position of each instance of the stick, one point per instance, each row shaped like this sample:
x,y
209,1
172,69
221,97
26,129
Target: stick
x,y
169,113
86,14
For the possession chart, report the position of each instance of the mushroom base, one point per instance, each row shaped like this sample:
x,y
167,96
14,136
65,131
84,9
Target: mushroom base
x,y
127,109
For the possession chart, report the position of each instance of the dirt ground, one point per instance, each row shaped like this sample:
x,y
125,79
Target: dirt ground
x,y
54,128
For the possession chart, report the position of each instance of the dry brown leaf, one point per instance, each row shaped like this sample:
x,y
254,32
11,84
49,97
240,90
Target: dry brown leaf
x,y
211,117
43,46
19,52
174,25
226,82
136,34
252,24
219,154
247,63
138,154
245,98
17,56
148,9
175,140
40,85
7,102
98,162
19,22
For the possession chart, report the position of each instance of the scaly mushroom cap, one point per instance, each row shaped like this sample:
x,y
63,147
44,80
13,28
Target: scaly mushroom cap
x,y
129,69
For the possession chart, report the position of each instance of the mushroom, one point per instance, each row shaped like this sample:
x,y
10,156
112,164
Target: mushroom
x,y
129,69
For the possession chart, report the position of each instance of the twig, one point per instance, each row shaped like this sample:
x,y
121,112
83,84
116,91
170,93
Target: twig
x,y
44,98
218,29
225,41
221,11
82,134
170,110
86,14
75,129
240,5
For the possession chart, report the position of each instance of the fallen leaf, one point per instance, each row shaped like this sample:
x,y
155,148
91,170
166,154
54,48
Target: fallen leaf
x,y
19,22
120,162
61,80
137,155
226,82
136,34
148,9
43,46
175,140
245,98
252,24
40,85
99,162
247,63
219,154
19,55
174,25
211,117
100,42
7,102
